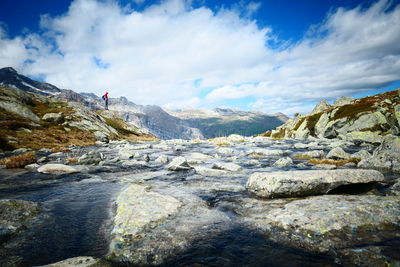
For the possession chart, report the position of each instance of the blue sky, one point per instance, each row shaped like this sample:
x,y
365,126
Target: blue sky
x,y
273,55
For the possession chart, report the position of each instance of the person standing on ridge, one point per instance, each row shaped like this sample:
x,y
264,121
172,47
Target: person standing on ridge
x,y
105,98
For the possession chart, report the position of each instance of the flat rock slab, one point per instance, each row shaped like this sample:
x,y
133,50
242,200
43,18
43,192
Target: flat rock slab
x,y
56,168
322,223
137,210
82,261
307,182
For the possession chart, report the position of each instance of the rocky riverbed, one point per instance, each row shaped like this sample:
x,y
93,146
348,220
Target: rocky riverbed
x,y
232,201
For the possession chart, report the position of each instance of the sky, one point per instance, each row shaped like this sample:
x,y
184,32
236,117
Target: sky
x,y
271,56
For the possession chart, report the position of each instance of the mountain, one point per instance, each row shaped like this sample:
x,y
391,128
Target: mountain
x,y
223,122
165,124
367,119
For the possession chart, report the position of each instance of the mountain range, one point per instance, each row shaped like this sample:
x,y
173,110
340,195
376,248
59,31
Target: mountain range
x,y
164,124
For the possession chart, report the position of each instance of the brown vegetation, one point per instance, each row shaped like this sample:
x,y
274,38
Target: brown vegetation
x,y
333,162
19,161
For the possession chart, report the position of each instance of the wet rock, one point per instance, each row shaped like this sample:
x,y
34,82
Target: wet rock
x,y
163,159
209,172
309,182
337,153
362,154
53,117
161,146
232,167
267,152
32,167
394,189
134,164
15,215
20,151
324,167
178,164
367,256
225,150
314,154
55,168
82,261
283,162
91,158
197,158
322,223
137,210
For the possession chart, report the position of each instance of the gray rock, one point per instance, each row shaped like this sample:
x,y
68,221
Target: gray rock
x,y
134,163
20,151
267,152
305,183
232,167
321,106
322,223
32,167
235,138
15,215
53,117
209,172
394,189
19,109
363,136
82,261
313,154
178,164
337,153
283,162
139,209
344,100
163,159
324,167
56,168
91,158
321,124
397,113
101,136
362,154
225,150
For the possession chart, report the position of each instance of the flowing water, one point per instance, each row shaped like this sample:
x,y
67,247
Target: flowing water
x,y
78,210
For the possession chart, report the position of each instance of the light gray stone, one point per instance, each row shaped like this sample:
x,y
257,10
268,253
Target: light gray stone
x,y
362,154
178,164
344,100
19,109
209,172
163,159
225,150
53,117
55,168
283,162
267,152
324,167
323,223
337,153
321,106
304,183
232,167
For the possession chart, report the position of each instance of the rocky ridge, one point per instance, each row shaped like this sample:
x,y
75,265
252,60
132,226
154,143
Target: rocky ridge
x,y
164,124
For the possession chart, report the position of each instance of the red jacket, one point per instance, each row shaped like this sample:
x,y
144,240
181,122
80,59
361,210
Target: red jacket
x,y
105,95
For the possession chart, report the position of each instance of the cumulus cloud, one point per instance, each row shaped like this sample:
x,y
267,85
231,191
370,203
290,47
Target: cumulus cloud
x,y
178,56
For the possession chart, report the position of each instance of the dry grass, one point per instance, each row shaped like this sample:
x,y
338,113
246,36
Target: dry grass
x,y
302,156
59,149
333,162
72,160
221,143
266,134
256,155
19,161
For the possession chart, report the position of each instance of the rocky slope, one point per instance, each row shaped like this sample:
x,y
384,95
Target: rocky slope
x,y
153,119
31,120
368,119
223,122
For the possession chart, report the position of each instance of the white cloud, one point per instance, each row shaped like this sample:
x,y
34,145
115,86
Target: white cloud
x,y
157,55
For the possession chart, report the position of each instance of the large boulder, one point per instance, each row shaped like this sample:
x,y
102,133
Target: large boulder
x,y
232,167
363,136
283,162
137,210
178,164
337,153
204,171
53,117
329,222
56,168
308,182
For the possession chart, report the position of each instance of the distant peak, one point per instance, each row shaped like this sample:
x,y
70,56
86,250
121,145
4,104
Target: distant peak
x,y
9,69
